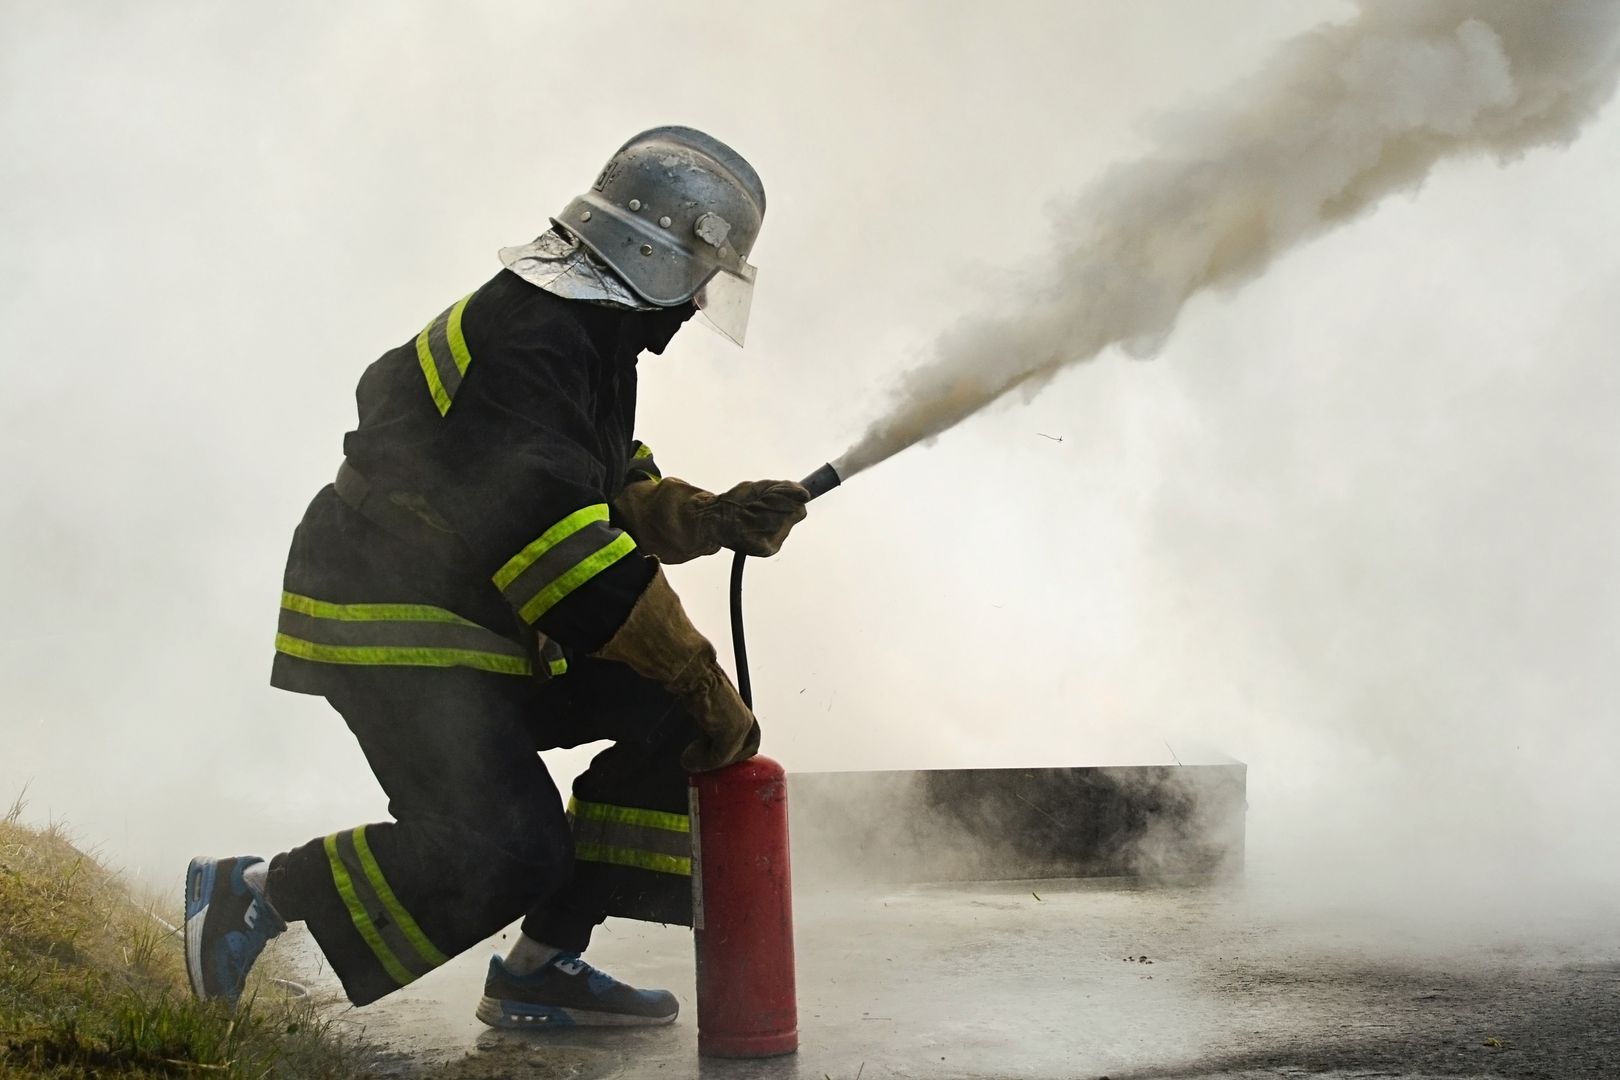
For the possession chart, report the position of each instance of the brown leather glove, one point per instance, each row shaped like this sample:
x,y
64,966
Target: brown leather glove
x,y
659,642
755,517
663,517
675,521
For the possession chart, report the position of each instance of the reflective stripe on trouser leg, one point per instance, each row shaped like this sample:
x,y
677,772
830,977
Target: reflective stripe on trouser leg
x,y
629,836
393,936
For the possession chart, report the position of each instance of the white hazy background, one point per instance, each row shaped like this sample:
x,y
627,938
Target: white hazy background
x,y
1357,526
1339,119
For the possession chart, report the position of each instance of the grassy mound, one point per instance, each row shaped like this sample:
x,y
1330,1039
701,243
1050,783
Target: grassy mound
x,y
93,984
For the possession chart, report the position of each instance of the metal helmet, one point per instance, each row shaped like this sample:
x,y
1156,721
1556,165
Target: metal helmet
x,y
675,213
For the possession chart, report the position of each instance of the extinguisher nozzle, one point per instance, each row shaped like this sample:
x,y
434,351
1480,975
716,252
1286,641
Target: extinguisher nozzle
x,y
822,481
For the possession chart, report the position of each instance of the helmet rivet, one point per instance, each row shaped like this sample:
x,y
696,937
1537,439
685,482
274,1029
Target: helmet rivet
x,y
635,204
586,216
664,221
646,249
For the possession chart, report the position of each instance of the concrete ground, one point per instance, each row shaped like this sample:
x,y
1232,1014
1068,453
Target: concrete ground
x,y
1078,979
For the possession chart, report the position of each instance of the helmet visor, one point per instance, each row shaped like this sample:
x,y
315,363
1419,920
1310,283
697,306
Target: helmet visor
x,y
725,299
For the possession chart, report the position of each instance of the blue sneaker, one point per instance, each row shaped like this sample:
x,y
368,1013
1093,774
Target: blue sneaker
x,y
568,992
228,922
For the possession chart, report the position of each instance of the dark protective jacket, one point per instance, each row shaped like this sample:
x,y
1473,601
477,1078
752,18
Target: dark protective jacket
x,y
488,453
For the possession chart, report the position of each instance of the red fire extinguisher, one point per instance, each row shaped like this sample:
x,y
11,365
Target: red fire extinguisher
x,y
742,891
742,912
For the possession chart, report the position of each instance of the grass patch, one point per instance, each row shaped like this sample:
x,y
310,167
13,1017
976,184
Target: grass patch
x,y
92,984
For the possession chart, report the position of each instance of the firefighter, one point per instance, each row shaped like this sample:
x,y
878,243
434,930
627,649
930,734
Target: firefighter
x,y
483,581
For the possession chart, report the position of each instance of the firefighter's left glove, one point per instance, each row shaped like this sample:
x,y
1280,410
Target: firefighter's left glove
x,y
675,521
755,517
659,642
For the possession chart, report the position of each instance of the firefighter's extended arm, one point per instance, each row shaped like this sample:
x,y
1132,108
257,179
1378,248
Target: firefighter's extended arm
x,y
675,521
659,642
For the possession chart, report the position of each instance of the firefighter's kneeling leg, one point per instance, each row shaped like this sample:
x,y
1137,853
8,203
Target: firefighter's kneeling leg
x,y
479,836
632,836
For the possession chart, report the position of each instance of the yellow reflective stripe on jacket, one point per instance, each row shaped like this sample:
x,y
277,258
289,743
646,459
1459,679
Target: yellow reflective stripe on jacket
x,y
381,656
565,556
430,369
322,609
361,918
549,539
642,860
605,556
642,465
654,840
405,635
402,918
458,344
552,655
441,351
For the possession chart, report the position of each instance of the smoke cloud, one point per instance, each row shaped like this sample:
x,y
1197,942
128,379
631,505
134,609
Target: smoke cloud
x,y
1340,119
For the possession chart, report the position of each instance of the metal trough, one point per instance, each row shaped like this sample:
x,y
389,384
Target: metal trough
x,y
1149,822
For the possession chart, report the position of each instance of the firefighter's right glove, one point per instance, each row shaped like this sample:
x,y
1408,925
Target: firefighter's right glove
x,y
665,519
660,643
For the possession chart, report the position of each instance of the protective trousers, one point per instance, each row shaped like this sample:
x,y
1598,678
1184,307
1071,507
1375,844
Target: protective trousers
x,y
479,835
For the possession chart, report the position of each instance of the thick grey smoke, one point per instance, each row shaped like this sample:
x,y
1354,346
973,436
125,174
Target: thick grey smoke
x,y
1341,118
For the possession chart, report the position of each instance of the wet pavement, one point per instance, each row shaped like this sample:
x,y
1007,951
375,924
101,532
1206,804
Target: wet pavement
x,y
1078,979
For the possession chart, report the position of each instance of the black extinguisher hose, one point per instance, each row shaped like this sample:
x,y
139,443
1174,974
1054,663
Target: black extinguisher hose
x,y
739,644
819,482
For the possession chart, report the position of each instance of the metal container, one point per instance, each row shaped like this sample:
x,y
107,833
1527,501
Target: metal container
x,y
742,908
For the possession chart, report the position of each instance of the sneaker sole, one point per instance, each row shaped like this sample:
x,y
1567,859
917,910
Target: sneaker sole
x,y
518,1015
199,887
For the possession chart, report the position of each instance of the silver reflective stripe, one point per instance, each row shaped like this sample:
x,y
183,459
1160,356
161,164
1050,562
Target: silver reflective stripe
x,y
632,837
552,660
558,560
391,933
438,343
403,633
643,465
441,352
655,840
